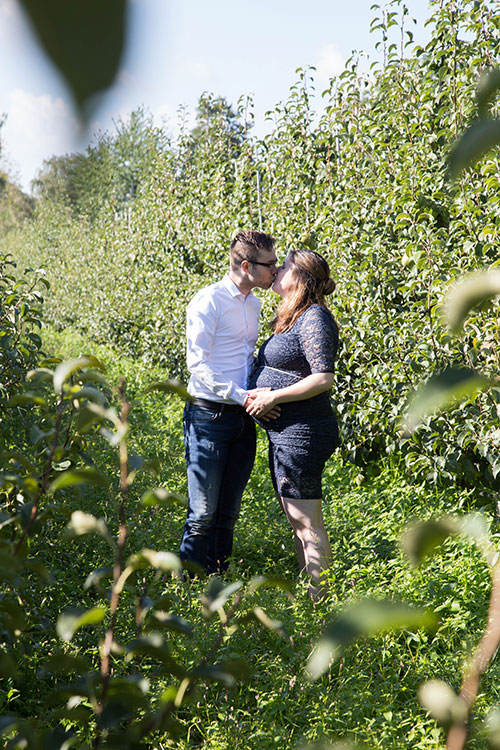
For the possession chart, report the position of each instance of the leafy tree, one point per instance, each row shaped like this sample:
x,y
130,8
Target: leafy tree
x,y
57,180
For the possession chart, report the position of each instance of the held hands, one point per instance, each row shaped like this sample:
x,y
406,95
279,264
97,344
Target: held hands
x,y
260,403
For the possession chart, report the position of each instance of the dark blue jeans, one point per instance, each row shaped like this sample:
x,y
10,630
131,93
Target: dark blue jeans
x,y
220,452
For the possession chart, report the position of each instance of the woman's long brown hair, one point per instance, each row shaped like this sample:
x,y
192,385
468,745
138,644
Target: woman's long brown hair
x,y
312,276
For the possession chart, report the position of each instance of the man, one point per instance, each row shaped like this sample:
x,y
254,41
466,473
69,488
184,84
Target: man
x,y
222,327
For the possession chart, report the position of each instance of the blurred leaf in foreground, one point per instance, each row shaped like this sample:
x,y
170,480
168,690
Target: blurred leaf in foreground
x,y
488,86
474,144
470,291
85,40
421,539
441,701
366,617
442,391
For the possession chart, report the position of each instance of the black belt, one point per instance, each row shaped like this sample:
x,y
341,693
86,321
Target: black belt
x,y
218,406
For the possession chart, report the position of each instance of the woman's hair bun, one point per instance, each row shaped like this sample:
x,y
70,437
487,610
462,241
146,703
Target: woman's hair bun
x,y
329,286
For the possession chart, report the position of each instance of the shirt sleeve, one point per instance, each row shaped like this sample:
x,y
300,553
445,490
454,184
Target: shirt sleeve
x,y
201,324
319,339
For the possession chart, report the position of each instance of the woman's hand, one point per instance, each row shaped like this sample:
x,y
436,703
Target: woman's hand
x,y
260,403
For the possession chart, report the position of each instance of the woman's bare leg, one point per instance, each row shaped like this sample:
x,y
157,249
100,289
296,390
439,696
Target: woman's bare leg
x,y
312,544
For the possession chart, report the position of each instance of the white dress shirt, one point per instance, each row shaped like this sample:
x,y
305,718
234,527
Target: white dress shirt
x,y
222,327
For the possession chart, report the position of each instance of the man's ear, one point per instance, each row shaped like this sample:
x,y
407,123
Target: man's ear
x,y
245,265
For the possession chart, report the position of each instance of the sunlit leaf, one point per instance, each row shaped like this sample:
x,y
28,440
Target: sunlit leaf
x,y
27,398
470,291
476,527
84,40
162,497
152,558
91,394
270,582
71,621
421,539
366,617
444,705
94,578
492,725
84,523
442,391
473,145
88,475
171,386
67,368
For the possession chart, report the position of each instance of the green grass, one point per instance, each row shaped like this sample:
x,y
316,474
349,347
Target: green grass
x,y
370,693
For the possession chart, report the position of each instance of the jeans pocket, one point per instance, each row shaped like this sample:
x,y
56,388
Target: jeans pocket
x,y
200,414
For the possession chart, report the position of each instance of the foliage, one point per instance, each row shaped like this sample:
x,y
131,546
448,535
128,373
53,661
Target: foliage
x,y
366,184
370,694
132,683
15,206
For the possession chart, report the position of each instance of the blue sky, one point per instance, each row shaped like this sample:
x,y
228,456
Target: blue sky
x,y
177,50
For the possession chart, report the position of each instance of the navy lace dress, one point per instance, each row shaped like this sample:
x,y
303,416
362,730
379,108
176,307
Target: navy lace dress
x,y
305,434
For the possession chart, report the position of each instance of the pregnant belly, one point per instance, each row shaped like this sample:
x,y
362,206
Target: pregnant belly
x,y
270,377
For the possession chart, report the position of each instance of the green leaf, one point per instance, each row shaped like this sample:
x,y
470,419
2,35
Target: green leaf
x,y
421,539
274,582
227,673
70,478
7,665
94,578
151,644
72,620
473,145
476,527
151,558
27,398
442,391
216,595
84,523
85,418
488,86
8,723
91,394
67,368
171,386
441,701
258,614
84,40
64,663
161,496
470,291
38,568
161,619
365,617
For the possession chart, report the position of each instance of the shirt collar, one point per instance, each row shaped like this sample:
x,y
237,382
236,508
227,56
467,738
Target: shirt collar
x,y
233,289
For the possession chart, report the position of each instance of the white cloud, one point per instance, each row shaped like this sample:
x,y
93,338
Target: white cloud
x,y
330,63
195,70
37,127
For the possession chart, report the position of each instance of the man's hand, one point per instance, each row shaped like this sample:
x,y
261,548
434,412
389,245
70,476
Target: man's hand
x,y
260,403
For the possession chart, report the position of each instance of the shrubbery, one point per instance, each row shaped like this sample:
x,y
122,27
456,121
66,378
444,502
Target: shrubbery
x,y
367,185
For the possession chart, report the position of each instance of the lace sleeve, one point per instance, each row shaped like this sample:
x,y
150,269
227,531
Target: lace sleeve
x,y
319,339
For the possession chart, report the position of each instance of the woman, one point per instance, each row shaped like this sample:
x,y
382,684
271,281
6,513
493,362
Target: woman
x,y
297,362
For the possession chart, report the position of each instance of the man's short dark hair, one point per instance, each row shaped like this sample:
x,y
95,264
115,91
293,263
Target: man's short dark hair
x,y
247,243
